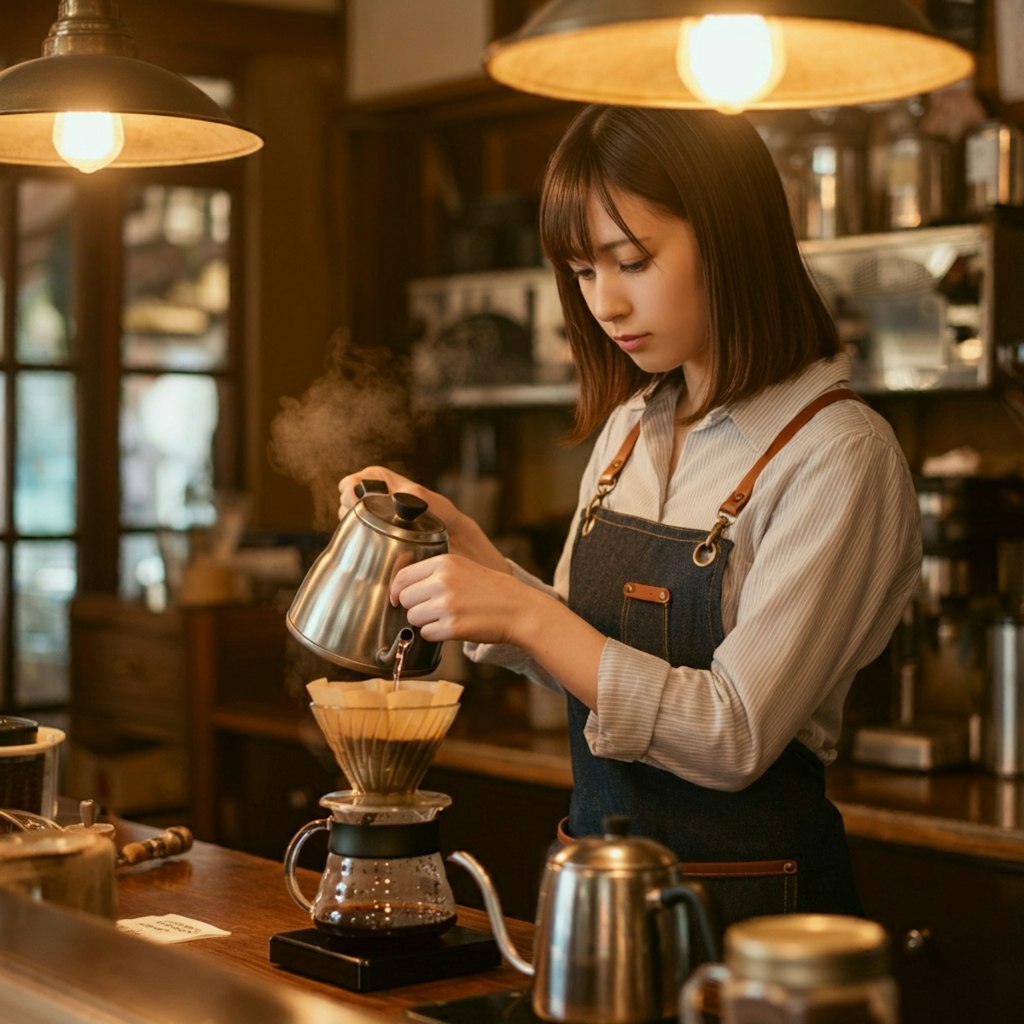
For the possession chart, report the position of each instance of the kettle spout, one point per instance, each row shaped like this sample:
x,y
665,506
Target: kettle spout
x,y
493,905
388,657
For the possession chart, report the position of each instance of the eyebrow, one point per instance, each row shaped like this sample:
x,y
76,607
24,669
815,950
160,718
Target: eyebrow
x,y
619,242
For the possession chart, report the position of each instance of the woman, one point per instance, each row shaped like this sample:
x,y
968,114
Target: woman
x,y
706,630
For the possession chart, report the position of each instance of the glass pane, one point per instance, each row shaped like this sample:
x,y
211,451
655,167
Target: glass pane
x,y
44,580
168,424
176,283
44,469
142,568
43,323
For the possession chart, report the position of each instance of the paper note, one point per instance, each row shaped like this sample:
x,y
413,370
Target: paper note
x,y
169,928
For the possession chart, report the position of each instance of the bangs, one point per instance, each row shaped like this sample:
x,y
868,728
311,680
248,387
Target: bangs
x,y
564,221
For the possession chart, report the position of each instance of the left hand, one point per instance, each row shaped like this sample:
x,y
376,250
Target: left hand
x,y
450,597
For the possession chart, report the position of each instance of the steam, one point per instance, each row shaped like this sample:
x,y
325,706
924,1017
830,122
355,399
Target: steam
x,y
357,414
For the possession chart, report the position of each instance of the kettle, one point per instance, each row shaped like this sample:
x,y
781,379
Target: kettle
x,y
341,610
612,943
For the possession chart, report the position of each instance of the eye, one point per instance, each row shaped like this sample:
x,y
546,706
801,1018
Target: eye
x,y
581,273
635,266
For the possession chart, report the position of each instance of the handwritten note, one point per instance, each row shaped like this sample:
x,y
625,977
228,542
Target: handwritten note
x,y
169,928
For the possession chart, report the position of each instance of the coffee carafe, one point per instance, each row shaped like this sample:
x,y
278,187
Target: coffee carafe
x,y
384,884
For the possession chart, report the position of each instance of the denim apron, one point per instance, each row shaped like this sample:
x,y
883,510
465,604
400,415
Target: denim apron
x,y
776,846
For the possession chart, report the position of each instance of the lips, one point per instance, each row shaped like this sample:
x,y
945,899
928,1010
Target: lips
x,y
629,342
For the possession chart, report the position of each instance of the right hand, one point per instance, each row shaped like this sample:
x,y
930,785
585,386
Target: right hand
x,y
465,537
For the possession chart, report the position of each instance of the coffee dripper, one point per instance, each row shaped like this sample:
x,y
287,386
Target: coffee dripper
x,y
384,883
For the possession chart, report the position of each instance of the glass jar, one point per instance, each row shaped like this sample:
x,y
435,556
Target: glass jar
x,y
799,969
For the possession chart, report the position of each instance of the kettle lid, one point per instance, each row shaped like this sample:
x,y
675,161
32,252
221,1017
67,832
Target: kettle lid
x,y
616,850
400,515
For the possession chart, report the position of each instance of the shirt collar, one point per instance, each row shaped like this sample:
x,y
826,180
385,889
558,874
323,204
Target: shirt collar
x,y
760,417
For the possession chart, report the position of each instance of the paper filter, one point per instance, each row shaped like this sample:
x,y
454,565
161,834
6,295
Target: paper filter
x,y
384,737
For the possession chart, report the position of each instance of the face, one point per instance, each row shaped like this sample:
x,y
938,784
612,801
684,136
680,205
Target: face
x,y
651,304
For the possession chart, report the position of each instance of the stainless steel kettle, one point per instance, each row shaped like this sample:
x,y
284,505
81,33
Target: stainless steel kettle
x,y
341,610
612,942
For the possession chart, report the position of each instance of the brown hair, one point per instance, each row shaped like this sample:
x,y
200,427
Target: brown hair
x,y
766,320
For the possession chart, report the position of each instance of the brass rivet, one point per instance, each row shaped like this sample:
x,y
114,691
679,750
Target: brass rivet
x,y
629,588
663,595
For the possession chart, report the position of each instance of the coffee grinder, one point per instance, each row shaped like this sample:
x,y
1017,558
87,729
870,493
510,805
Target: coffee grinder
x,y
383,914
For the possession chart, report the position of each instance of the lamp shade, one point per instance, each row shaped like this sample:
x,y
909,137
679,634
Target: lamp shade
x,y
89,66
167,119
837,52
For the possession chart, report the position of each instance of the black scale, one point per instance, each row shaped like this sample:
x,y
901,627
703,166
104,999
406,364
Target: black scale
x,y
316,955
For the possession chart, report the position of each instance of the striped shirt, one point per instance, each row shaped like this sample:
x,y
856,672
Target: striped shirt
x,y
826,555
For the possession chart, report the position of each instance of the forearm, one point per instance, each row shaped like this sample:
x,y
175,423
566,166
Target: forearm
x,y
560,642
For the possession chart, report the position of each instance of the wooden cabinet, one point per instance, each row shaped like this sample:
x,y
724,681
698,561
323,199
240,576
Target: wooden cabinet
x,y
145,689
957,927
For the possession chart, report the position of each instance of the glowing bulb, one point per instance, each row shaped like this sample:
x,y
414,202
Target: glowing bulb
x,y
88,139
730,60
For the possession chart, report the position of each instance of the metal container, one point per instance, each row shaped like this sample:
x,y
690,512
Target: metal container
x,y
918,181
833,186
342,611
994,166
1002,737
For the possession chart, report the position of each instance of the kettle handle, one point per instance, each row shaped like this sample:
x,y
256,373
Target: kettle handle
x,y
365,487
701,902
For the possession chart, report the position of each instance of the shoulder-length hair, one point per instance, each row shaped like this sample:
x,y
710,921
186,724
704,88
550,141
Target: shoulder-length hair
x,y
766,319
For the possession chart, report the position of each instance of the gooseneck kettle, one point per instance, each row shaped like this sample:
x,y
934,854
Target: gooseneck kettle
x,y
341,610
613,940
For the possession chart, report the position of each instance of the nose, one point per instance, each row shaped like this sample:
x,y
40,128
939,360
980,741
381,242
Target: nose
x,y
607,299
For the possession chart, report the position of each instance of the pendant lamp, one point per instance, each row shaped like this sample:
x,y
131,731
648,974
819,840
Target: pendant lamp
x,y
90,102
729,54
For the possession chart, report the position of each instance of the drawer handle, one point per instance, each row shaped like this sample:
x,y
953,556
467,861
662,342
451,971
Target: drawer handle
x,y
916,941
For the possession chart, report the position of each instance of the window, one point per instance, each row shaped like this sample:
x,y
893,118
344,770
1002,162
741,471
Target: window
x,y
119,393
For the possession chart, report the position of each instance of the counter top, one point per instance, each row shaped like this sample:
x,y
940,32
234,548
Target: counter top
x,y
246,896
961,811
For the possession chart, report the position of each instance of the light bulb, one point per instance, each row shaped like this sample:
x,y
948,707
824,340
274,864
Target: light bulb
x,y
730,60
88,139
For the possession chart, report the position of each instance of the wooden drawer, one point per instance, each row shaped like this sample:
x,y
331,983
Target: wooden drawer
x,y
135,679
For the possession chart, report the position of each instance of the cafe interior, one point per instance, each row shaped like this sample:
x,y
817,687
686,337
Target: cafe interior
x,y
301,235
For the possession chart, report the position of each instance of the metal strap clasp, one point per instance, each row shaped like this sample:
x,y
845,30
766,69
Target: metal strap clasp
x,y
707,550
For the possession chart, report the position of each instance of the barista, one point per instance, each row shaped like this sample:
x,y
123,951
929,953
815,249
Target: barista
x,y
705,631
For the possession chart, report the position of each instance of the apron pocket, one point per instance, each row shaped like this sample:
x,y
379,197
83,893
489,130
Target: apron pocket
x,y
644,622
742,889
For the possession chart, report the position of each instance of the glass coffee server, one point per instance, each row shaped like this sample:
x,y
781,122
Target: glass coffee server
x,y
120,371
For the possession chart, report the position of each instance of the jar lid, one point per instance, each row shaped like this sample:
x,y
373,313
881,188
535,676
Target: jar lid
x,y
15,732
803,950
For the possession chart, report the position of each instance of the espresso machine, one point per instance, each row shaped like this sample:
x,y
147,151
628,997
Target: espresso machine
x,y
940,652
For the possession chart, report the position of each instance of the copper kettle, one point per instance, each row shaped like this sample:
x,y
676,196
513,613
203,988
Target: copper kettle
x,y
341,610
613,939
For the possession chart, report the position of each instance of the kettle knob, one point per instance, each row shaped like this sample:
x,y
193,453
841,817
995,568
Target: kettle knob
x,y
408,507
615,826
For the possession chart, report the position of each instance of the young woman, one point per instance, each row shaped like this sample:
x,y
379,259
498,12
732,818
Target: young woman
x,y
747,534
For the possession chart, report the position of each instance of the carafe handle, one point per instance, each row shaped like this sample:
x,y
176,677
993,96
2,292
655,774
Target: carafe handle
x,y
291,856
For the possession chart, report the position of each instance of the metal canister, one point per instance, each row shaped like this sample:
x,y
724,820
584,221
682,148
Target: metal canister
x,y
994,167
832,173
1002,739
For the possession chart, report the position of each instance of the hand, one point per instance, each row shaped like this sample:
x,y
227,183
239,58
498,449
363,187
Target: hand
x,y
464,534
450,597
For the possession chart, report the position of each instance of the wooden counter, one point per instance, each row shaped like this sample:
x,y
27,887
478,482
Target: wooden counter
x,y
246,896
